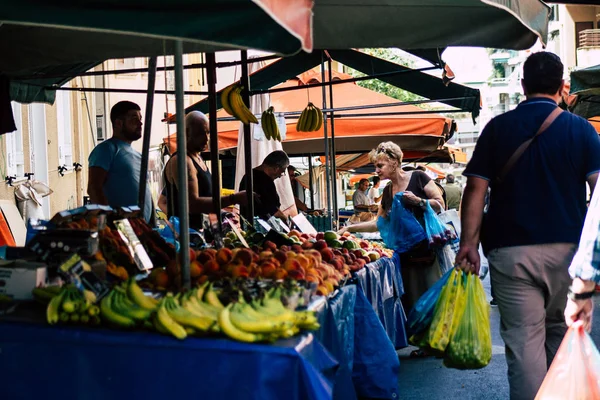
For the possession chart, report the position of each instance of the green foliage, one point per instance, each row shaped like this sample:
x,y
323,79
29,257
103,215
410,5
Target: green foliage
x,y
380,86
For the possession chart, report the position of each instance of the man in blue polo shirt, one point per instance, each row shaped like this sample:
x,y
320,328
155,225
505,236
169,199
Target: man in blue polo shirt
x,y
534,220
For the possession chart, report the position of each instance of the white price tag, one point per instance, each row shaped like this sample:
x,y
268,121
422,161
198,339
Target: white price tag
x,y
303,224
237,232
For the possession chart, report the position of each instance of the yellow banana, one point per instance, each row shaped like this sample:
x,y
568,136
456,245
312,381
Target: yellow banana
x,y
225,102
124,306
200,308
53,309
230,329
200,291
237,105
136,294
165,320
110,315
211,298
317,113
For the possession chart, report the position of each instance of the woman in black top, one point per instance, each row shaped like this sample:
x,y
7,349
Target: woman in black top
x,y
199,178
419,267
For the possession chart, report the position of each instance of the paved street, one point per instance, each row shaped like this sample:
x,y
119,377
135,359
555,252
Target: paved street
x,y
428,379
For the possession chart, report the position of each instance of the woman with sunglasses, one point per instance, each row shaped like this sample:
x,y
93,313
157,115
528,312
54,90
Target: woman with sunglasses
x,y
420,269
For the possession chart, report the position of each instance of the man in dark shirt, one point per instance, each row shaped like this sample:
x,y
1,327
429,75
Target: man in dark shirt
x,y
263,177
534,219
453,193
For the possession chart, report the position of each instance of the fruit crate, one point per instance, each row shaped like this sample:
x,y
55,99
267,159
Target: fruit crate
x,y
321,223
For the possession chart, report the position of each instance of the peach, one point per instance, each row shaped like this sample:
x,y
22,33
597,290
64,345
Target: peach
x,y
280,256
320,236
297,275
211,267
316,255
211,252
304,236
329,285
322,290
345,251
303,260
294,232
244,256
202,279
337,252
240,271
292,265
313,278
327,254
347,234
284,248
280,274
223,256
195,269
297,248
204,256
255,271
265,255
307,245
160,277
267,270
268,245
320,245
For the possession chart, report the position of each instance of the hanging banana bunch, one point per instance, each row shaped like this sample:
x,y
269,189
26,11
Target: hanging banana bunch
x,y
310,120
232,102
269,125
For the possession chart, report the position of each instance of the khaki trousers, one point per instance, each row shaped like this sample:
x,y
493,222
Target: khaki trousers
x,y
530,285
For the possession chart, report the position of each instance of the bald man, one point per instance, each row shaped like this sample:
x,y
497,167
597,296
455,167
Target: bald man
x,y
199,183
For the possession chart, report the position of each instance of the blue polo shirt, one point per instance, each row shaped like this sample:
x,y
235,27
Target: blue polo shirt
x,y
543,198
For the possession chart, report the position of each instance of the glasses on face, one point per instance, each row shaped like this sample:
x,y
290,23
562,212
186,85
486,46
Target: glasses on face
x,y
387,153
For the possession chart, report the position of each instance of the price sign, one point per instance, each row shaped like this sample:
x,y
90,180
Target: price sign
x,y
303,224
237,232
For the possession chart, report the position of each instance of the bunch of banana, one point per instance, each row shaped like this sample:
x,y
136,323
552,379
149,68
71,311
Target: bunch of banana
x,y
264,321
310,120
127,306
43,295
269,124
232,102
171,318
69,305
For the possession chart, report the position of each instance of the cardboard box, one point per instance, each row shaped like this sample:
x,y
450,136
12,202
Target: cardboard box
x,y
18,278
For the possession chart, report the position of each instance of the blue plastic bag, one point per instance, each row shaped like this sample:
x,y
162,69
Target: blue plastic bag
x,y
437,232
421,315
400,230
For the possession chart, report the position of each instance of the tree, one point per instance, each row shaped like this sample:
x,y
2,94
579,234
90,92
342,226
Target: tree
x,y
380,86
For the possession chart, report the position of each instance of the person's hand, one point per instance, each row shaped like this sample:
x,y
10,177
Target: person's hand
x,y
468,258
579,311
341,231
373,207
411,199
242,197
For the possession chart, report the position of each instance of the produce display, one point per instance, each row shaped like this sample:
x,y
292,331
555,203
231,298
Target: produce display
x,y
324,259
232,102
269,124
233,310
310,120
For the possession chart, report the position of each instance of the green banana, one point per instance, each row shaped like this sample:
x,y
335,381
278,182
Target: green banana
x,y
264,123
320,119
108,314
186,318
247,323
43,294
200,308
315,121
169,325
301,120
124,306
136,294
230,329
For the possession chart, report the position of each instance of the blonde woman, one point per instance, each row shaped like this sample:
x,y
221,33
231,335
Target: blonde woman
x,y
419,266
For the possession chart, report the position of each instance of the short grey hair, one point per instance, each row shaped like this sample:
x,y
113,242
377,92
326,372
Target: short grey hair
x,y
277,158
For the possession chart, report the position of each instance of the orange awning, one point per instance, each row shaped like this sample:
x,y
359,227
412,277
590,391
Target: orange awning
x,y
595,121
420,132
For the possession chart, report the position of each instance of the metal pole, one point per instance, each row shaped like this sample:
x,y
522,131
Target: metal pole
x,y
310,181
211,75
184,220
245,81
333,169
147,129
327,176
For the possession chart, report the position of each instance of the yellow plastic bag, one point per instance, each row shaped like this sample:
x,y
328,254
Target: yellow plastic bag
x,y
470,346
450,306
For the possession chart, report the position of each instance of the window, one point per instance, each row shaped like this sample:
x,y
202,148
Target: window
x,y
63,123
14,145
170,62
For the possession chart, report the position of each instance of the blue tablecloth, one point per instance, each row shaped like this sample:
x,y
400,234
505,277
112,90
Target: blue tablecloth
x,y
381,282
71,363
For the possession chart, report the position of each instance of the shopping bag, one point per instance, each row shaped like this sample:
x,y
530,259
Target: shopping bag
x,y
400,230
438,233
448,310
470,346
446,257
575,371
451,219
421,315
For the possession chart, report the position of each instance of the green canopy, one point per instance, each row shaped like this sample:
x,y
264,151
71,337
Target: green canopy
x,y
410,24
425,85
67,37
585,83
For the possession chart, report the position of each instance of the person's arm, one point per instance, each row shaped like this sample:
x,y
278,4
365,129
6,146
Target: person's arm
x,y
96,179
368,226
471,217
162,203
591,180
436,201
202,205
300,205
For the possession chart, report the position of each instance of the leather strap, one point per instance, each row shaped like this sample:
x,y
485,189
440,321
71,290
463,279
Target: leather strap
x,y
521,149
